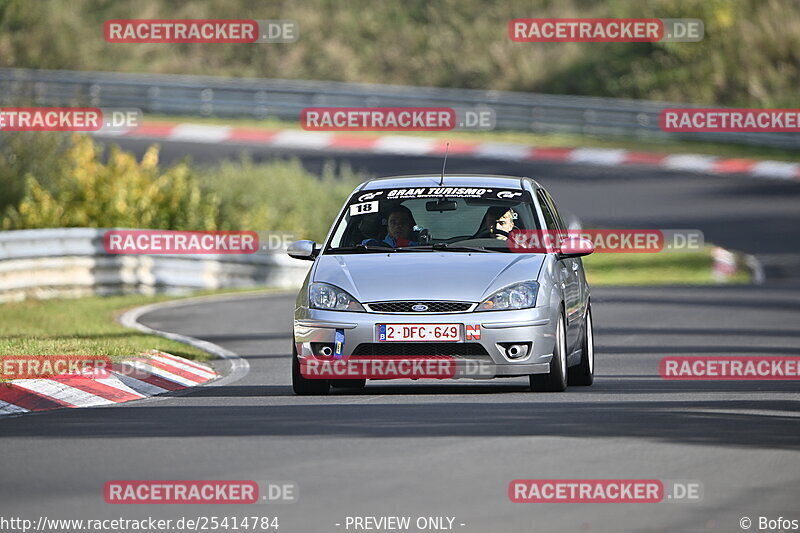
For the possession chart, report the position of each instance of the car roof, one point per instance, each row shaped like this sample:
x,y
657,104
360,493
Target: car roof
x,y
450,180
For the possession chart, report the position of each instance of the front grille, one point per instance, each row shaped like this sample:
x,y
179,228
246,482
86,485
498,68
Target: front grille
x,y
406,307
454,349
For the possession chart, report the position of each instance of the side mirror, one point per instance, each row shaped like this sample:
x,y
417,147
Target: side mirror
x,y
575,246
307,250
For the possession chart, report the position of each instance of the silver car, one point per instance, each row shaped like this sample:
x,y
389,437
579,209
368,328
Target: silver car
x,y
423,268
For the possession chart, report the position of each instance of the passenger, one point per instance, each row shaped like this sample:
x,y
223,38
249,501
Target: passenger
x,y
497,223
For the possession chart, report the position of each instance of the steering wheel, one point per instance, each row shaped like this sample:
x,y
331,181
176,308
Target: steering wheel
x,y
488,234
459,238
377,242
424,236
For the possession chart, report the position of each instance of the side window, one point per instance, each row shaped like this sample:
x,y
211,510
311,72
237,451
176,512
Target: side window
x,y
549,219
552,205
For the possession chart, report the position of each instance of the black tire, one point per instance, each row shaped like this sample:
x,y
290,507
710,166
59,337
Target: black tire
x,y
348,383
307,387
556,379
583,373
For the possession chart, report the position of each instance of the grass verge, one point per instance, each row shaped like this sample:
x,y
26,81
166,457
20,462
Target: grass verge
x,y
679,268
521,137
84,326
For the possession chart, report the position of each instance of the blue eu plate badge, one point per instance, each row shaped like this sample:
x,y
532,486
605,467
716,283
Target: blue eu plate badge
x,y
338,345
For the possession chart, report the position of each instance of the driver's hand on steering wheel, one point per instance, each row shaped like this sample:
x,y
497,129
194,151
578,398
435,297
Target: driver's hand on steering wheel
x,y
502,228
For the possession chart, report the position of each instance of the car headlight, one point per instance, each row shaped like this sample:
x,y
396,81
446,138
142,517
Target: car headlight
x,y
517,296
324,296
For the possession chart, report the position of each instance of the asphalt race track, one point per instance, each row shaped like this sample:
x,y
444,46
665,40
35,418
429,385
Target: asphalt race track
x,y
451,449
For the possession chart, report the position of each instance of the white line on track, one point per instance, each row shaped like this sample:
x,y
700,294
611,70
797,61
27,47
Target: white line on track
x,y
239,366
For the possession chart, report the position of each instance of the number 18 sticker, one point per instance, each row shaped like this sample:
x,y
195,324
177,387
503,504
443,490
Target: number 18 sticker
x,y
363,208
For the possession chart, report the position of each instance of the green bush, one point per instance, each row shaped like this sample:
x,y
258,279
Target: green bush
x,y
21,154
83,190
68,182
279,195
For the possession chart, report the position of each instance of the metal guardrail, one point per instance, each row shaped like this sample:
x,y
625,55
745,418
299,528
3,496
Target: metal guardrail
x,y
284,99
72,262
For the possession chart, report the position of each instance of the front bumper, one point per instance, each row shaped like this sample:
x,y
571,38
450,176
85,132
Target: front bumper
x,y
313,327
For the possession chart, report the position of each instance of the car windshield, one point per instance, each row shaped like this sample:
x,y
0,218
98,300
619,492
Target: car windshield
x,y
458,219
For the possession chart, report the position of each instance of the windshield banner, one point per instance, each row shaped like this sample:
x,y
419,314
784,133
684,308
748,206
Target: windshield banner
x,y
439,192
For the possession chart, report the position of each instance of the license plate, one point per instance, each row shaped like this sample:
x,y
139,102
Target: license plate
x,y
419,332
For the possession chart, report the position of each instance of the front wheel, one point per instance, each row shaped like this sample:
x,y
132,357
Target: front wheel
x,y
307,387
556,379
583,374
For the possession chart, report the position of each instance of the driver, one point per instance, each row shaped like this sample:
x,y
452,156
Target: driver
x,y
498,222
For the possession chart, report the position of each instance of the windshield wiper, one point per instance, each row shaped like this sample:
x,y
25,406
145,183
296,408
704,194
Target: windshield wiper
x,y
439,246
362,248
449,248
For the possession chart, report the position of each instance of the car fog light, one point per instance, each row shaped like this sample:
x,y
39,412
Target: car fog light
x,y
324,349
516,350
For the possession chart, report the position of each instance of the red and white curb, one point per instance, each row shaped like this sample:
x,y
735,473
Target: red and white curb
x,y
151,374
238,366
416,146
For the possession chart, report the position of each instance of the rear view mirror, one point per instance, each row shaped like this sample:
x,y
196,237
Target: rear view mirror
x,y
441,205
307,250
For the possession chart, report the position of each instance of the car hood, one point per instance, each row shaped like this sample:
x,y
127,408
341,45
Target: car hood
x,y
458,276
